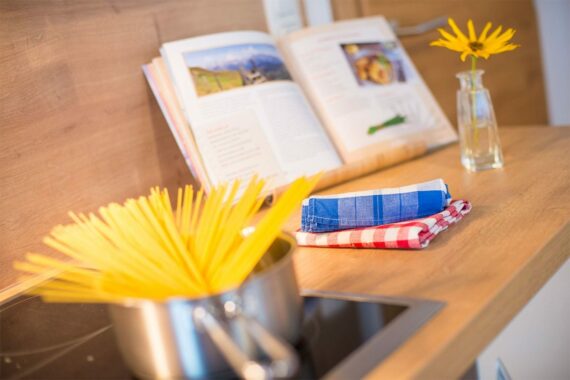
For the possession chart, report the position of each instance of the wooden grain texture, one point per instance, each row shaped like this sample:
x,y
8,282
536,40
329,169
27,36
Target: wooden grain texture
x,y
486,268
514,79
346,9
80,127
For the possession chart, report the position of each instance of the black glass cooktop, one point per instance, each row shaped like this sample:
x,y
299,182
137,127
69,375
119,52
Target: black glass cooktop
x,y
344,336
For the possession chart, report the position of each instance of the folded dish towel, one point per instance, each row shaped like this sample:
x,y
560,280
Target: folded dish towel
x,y
413,234
373,207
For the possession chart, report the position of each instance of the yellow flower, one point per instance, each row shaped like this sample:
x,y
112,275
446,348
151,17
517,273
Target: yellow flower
x,y
482,46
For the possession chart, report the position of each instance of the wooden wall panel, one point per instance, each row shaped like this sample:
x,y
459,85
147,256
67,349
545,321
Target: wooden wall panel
x,y
80,127
346,9
514,78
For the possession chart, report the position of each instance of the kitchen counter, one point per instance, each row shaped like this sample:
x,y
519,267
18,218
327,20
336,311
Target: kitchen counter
x,y
486,268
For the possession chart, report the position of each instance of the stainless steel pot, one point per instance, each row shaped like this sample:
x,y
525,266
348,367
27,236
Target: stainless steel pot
x,y
207,337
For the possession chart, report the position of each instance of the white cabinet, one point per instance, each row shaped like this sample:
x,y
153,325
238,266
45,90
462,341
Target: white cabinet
x,y
536,344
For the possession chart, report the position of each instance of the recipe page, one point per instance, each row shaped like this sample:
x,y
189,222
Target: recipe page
x,y
365,88
247,115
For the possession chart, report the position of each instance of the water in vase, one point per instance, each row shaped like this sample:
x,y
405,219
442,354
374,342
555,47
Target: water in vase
x,y
479,137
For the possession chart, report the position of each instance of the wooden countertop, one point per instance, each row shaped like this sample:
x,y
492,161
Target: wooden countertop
x,y
486,268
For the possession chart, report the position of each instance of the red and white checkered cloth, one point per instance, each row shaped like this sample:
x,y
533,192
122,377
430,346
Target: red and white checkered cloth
x,y
412,234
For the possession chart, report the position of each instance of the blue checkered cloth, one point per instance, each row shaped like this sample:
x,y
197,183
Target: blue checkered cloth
x,y
374,207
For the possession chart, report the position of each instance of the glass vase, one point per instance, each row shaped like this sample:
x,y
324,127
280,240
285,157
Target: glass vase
x,y
478,134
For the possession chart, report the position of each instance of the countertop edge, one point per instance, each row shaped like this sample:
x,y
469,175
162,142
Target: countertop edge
x,y
457,356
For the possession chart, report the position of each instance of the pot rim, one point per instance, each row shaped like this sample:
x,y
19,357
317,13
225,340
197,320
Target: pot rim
x,y
141,302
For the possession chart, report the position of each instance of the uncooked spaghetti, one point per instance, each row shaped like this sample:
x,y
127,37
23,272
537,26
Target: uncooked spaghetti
x,y
146,249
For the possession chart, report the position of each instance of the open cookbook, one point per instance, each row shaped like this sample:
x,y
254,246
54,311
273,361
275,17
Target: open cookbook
x,y
318,99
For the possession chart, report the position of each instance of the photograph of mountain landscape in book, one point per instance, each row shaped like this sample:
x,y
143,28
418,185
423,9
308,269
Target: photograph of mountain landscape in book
x,y
225,68
376,63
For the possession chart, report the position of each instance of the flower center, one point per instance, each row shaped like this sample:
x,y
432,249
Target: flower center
x,y
474,46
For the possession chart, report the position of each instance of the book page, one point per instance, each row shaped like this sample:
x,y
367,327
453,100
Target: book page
x,y
365,88
163,90
246,113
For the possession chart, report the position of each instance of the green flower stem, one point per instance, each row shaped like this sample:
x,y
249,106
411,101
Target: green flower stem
x,y
474,102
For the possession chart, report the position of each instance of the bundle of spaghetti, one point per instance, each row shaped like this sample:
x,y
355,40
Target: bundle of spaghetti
x,y
145,249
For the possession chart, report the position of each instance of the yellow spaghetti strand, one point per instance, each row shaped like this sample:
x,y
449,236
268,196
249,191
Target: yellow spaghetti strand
x,y
145,249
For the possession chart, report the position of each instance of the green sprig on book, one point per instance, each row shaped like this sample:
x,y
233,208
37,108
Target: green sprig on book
x,y
398,119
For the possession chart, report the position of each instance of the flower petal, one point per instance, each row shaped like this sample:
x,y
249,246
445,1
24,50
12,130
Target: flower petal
x,y
480,54
457,31
495,32
464,55
500,41
446,35
438,43
448,45
507,35
471,28
484,32
505,48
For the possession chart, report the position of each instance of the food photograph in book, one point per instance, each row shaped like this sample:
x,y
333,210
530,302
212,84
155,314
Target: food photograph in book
x,y
375,63
229,67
